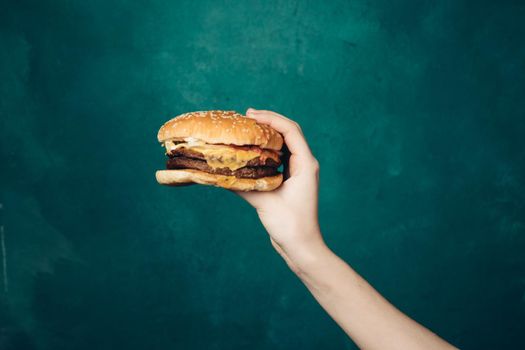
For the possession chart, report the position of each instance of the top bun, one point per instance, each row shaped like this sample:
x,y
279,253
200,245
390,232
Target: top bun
x,y
226,127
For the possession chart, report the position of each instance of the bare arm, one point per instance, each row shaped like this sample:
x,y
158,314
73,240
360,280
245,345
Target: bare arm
x,y
289,214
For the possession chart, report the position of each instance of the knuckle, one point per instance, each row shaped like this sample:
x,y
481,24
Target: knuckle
x,y
295,128
314,165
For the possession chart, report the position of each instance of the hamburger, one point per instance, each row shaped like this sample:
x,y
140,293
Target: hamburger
x,y
223,149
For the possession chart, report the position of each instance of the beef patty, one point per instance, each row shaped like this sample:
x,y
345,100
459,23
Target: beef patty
x,y
251,172
189,153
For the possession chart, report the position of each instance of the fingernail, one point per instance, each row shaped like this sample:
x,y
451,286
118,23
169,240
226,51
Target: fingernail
x,y
249,111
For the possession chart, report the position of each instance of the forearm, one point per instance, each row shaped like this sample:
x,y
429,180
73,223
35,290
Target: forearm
x,y
368,318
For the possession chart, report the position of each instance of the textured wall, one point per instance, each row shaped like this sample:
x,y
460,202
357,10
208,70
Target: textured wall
x,y
415,110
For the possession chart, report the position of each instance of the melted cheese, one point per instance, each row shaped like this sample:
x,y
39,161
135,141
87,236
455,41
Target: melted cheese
x,y
217,156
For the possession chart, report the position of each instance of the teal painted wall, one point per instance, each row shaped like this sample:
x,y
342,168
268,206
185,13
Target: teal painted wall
x,y
415,110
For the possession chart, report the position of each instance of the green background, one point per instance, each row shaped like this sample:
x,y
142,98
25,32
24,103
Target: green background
x,y
415,110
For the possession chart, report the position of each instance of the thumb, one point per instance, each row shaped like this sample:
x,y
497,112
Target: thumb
x,y
255,199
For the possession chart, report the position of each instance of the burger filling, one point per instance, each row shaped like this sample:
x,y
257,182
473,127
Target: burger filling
x,y
239,161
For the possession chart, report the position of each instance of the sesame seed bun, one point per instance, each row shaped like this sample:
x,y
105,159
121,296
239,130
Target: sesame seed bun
x,y
185,176
221,127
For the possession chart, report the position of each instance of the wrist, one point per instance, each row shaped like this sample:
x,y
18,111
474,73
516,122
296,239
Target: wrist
x,y
308,256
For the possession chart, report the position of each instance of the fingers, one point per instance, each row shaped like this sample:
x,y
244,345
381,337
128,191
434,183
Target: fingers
x,y
293,136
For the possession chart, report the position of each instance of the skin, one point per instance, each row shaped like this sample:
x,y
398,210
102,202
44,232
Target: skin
x,y
289,215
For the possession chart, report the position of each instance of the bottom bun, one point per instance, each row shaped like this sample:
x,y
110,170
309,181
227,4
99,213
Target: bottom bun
x,y
185,176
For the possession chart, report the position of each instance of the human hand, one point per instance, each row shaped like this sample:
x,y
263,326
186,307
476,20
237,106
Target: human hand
x,y
289,213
